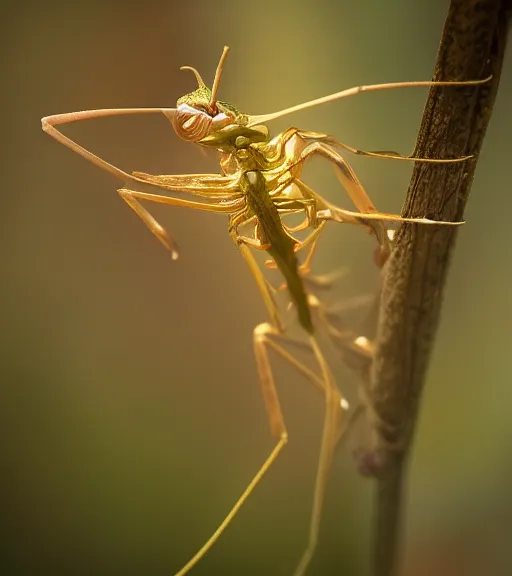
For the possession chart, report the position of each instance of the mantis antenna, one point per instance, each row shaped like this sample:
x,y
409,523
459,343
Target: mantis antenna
x,y
218,74
262,118
196,74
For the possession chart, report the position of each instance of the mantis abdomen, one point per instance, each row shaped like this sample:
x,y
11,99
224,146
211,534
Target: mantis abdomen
x,y
280,246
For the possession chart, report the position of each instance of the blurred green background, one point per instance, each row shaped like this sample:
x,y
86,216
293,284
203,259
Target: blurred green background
x,y
131,417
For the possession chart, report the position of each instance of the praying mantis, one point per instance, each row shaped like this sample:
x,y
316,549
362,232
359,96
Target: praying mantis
x,y
258,187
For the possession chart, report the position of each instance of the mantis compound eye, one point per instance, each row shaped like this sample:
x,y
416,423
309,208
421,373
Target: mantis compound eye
x,y
194,124
191,124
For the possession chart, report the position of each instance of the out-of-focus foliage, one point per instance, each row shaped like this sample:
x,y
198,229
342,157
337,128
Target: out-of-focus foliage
x,y
131,417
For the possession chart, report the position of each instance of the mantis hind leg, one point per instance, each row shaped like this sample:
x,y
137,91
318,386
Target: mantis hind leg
x,y
265,337
262,340
277,422
334,407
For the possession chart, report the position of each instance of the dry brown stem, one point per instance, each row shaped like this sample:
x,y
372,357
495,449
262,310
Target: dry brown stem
x,y
454,124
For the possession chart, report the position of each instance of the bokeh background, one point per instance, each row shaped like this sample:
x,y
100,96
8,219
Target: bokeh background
x,y
131,417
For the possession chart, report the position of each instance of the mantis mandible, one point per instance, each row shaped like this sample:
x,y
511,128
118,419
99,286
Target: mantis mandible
x,y
258,187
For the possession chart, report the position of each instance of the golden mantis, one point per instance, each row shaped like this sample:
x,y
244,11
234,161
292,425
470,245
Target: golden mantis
x,y
258,187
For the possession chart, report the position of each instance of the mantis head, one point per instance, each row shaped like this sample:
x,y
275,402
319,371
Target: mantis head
x,y
199,114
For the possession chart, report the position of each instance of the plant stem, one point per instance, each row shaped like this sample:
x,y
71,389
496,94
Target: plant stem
x,y
454,124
